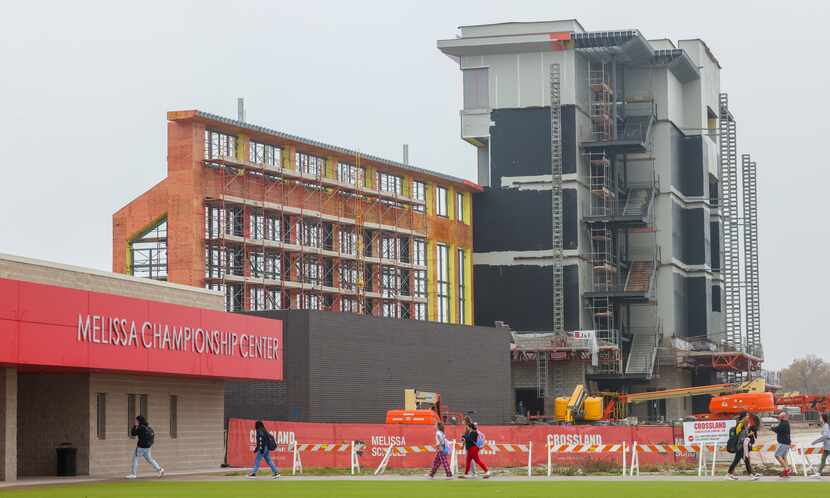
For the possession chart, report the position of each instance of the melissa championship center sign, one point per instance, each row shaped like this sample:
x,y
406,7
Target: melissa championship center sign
x,y
45,325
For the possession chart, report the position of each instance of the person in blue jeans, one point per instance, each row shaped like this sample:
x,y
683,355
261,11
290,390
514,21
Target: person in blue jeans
x,y
263,452
146,437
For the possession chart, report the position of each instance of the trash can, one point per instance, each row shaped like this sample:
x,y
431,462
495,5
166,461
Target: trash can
x,y
67,460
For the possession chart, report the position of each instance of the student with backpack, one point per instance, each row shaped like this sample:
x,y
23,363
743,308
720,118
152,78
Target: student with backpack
x,y
741,442
442,450
473,442
825,443
146,437
265,444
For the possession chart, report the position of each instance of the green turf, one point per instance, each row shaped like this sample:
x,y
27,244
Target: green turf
x,y
441,489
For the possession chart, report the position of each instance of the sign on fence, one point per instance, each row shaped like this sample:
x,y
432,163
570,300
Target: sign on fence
x,y
707,431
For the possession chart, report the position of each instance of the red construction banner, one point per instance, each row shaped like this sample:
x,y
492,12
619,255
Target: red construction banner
x,y
329,445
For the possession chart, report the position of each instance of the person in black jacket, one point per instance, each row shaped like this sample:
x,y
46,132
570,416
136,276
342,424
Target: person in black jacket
x,y
782,436
146,437
470,438
263,451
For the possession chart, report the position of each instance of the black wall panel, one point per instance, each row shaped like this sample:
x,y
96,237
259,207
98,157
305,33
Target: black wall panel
x,y
688,235
520,142
697,309
351,368
714,245
687,166
520,220
527,307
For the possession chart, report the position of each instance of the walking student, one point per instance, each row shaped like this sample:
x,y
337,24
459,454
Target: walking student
x,y
782,436
746,430
442,449
825,443
473,441
265,444
146,437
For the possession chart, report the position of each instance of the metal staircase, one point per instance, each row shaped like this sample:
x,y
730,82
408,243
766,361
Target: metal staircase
x,y
642,354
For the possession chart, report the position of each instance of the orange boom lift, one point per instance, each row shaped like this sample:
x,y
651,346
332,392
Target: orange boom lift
x,y
422,408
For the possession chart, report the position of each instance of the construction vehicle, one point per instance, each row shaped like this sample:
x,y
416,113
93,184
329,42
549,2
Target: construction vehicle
x,y
728,399
422,408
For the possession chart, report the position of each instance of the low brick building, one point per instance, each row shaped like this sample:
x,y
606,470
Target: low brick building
x,y
86,351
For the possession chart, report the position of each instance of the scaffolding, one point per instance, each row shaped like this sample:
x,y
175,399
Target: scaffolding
x,y
751,266
617,209
556,217
730,190
316,236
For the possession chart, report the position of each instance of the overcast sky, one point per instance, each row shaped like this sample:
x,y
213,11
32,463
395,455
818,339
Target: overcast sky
x,y
84,88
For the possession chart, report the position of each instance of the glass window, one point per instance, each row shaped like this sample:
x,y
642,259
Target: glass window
x,y
441,201
420,311
443,282
136,405
348,275
311,165
348,241
390,281
268,155
349,173
461,274
101,415
419,193
391,309
459,206
148,253
348,304
389,183
308,233
174,417
390,246
419,252
219,145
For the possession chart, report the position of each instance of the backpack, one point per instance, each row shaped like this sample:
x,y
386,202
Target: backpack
x,y
149,435
732,442
480,440
272,443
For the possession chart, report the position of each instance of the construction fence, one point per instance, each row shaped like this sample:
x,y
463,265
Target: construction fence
x,y
410,446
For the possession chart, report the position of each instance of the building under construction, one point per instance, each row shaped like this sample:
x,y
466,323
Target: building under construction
x,y
277,221
613,211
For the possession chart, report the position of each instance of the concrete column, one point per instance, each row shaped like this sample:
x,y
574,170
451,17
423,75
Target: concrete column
x,y
8,424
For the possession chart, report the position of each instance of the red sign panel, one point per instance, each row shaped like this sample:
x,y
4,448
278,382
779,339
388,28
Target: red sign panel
x,y
45,325
378,437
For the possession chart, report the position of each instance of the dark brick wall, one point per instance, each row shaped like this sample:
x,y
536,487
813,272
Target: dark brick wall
x,y
341,367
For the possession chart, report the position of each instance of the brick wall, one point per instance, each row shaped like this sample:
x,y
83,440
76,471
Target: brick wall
x,y
52,409
200,441
8,424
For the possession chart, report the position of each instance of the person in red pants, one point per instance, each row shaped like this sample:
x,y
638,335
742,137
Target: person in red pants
x,y
472,444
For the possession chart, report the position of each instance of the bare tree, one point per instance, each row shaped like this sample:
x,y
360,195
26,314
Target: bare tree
x,y
808,375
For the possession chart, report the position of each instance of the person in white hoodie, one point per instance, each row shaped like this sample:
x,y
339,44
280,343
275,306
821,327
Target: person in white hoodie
x,y
825,442
442,450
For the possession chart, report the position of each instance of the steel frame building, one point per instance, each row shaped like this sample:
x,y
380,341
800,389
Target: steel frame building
x,y
630,149
277,221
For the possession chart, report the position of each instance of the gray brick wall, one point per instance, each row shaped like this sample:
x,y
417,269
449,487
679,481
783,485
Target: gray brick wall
x,y
52,410
200,441
563,376
8,424
341,367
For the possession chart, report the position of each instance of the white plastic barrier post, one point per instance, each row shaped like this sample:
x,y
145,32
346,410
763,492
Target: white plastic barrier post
x,y
296,463
714,457
530,459
383,463
635,461
355,461
701,460
624,451
453,459
549,446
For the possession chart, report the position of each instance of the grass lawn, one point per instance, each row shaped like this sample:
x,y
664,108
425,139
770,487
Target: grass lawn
x,y
404,489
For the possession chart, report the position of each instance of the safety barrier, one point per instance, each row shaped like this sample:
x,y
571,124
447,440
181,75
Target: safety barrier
x,y
797,456
553,449
454,452
296,449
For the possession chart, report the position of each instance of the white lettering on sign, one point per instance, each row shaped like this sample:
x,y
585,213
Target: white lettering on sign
x,y
118,331
576,439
